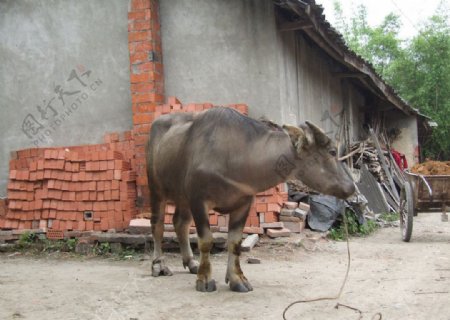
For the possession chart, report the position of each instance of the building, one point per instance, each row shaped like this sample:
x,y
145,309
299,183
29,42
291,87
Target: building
x,y
73,71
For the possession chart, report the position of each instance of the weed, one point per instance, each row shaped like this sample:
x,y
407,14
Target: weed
x,y
58,245
27,238
102,248
353,227
390,216
71,244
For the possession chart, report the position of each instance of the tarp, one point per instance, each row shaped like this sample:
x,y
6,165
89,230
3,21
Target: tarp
x,y
324,210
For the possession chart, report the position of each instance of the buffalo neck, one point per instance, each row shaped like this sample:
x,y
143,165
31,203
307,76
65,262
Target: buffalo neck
x,y
273,161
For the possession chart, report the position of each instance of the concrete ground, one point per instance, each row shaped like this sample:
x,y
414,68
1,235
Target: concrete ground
x,y
399,280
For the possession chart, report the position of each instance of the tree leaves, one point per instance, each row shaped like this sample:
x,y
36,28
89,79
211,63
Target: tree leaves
x,y
418,69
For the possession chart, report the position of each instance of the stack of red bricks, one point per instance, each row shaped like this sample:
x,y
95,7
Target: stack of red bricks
x,y
81,188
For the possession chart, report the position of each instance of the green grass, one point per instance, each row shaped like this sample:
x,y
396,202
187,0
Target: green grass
x,y
354,228
390,216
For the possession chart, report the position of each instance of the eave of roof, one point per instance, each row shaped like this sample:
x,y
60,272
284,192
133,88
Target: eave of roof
x,y
313,23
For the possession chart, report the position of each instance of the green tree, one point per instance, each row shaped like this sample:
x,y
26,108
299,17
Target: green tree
x,y
418,69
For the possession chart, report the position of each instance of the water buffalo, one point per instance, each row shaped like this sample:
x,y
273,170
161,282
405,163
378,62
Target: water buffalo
x,y
219,159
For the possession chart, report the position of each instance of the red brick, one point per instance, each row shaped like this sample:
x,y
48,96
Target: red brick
x,y
261,207
139,4
81,225
52,214
95,166
275,233
33,166
270,217
103,165
138,36
48,154
141,77
65,186
136,15
39,175
95,156
85,195
75,167
110,175
117,174
138,57
275,207
251,230
62,225
92,186
89,225
89,176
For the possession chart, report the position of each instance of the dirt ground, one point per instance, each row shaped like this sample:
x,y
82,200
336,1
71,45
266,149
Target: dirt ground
x,y
399,280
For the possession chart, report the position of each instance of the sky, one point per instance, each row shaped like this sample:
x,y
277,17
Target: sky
x,y
412,12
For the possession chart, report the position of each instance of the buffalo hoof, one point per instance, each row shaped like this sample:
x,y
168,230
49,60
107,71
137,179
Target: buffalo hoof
x,y
192,265
160,269
203,286
241,285
244,286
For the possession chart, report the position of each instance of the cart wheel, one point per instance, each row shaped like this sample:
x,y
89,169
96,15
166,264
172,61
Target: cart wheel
x,y
406,211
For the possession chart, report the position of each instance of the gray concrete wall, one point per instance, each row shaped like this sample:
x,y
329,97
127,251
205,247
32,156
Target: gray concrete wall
x,y
222,52
231,52
44,47
407,141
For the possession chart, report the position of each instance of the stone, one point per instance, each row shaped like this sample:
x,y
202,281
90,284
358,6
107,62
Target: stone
x,y
289,219
84,248
139,226
303,206
130,239
219,237
253,260
116,248
258,230
275,233
295,227
272,225
22,231
287,212
249,242
290,205
299,213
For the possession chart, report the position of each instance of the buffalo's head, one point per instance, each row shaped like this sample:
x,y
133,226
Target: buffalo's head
x,y
317,163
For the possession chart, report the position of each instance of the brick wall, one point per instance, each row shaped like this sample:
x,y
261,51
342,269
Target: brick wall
x,y
147,83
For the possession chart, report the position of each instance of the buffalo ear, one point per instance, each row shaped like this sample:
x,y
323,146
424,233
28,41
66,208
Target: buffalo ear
x,y
298,137
319,136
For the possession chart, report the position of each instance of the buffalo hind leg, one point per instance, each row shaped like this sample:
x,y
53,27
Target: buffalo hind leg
x,y
159,267
238,282
181,221
205,242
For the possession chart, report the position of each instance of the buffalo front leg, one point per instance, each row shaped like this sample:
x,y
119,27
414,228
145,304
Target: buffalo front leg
x,y
159,267
205,242
181,221
235,276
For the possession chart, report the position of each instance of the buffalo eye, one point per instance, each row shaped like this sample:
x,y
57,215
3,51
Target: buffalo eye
x,y
333,152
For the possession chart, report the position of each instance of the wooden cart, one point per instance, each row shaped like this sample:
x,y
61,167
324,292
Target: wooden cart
x,y
422,193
